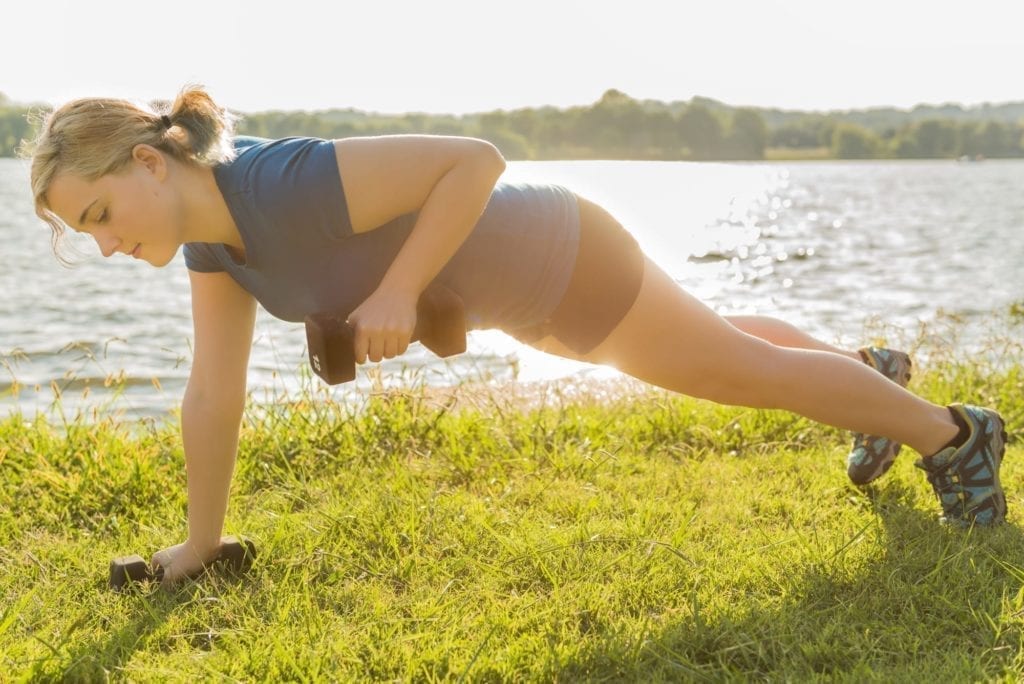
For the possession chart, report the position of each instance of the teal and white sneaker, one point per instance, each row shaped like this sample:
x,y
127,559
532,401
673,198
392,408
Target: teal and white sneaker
x,y
966,479
872,456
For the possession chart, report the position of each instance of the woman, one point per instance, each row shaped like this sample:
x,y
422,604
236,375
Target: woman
x,y
365,224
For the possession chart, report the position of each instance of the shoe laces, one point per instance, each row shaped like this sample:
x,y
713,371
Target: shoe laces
x,y
944,479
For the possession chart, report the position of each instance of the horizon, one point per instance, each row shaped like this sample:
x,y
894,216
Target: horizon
x,y
967,106
460,57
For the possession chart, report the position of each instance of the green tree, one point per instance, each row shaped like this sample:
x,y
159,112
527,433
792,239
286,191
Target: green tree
x,y
997,140
934,139
701,132
850,141
826,131
747,135
618,126
14,128
558,132
525,122
494,127
803,133
446,126
614,125
903,146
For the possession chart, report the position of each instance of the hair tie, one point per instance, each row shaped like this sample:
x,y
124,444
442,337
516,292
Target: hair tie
x,y
167,121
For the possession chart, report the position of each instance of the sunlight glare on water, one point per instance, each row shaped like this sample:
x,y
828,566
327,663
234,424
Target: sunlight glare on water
x,y
826,246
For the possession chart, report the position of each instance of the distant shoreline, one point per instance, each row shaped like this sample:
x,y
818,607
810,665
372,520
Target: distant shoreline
x,y
771,155
701,129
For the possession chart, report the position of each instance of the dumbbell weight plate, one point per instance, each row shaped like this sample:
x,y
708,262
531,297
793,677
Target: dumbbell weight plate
x,y
236,554
128,569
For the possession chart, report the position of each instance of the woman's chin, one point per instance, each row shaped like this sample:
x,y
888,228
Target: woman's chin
x,y
157,260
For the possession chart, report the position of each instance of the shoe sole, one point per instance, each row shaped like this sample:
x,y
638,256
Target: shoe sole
x,y
999,451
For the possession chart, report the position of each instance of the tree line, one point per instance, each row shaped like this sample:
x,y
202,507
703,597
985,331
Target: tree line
x,y
620,127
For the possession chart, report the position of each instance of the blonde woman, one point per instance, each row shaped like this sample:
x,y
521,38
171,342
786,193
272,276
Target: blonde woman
x,y
302,225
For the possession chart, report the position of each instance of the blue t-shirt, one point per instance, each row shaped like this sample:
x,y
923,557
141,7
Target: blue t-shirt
x,y
301,256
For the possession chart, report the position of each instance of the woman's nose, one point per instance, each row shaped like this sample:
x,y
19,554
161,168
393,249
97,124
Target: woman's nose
x,y
107,243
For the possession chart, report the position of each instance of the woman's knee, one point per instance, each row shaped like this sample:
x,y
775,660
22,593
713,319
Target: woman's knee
x,y
746,373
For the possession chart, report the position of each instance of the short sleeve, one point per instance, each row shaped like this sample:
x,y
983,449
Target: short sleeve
x,y
296,182
199,257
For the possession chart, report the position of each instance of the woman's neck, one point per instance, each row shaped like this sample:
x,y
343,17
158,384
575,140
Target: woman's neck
x,y
207,217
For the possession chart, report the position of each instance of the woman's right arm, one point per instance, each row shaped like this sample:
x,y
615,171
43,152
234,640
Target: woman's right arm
x,y
223,316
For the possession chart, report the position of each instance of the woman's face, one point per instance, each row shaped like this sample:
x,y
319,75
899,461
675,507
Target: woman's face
x,y
131,212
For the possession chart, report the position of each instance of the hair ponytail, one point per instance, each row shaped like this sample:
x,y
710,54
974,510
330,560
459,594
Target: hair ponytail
x,y
207,126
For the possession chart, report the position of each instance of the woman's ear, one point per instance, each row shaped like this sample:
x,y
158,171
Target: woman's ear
x,y
151,158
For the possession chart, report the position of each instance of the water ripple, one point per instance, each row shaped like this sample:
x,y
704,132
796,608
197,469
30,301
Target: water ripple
x,y
826,246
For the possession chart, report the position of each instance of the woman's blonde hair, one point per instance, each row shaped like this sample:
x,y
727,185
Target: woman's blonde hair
x,y
93,137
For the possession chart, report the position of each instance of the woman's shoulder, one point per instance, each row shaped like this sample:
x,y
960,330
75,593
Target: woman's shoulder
x,y
266,165
243,142
287,181
253,152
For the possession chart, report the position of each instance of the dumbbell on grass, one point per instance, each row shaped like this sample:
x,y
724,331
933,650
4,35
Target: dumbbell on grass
x,y
440,326
236,554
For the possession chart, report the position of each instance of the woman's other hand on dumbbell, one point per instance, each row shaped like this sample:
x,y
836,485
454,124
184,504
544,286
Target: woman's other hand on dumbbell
x,y
181,561
384,324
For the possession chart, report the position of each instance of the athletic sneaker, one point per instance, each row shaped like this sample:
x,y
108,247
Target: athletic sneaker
x,y
966,478
872,456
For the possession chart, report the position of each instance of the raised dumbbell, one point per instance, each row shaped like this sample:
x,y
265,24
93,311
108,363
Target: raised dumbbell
x,y
236,554
440,326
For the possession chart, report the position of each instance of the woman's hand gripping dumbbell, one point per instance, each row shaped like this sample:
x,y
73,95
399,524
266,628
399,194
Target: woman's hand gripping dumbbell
x,y
440,326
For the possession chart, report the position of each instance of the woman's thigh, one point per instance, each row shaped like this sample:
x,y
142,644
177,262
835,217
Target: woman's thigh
x,y
671,339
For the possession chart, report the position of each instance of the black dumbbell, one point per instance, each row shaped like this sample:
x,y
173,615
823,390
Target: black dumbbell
x,y
235,553
440,326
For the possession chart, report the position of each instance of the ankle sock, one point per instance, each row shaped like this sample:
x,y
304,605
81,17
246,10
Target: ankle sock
x,y
962,435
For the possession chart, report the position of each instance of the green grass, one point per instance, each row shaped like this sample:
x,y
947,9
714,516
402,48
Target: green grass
x,y
590,535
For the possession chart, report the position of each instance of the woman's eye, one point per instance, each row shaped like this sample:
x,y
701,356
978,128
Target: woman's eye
x,y
102,217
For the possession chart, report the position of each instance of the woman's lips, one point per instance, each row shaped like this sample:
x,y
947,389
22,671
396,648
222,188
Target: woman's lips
x,y
137,250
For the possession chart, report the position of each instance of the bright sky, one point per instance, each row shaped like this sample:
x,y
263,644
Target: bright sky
x,y
463,56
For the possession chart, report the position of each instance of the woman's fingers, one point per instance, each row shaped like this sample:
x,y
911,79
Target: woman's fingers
x,y
362,342
160,559
383,326
376,345
176,563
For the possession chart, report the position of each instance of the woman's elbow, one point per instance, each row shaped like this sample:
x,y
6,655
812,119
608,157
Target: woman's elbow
x,y
491,157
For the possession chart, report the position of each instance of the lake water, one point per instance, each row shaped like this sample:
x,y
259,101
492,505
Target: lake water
x,y
829,246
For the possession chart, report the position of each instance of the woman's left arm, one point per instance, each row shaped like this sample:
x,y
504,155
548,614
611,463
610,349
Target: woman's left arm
x,y
448,180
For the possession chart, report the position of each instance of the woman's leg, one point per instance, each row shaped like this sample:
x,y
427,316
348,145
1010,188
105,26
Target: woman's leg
x,y
670,339
769,329
784,334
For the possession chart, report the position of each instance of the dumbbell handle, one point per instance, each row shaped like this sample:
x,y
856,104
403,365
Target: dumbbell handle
x,y
440,326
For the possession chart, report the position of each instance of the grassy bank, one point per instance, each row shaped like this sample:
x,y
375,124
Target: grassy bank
x,y
601,532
